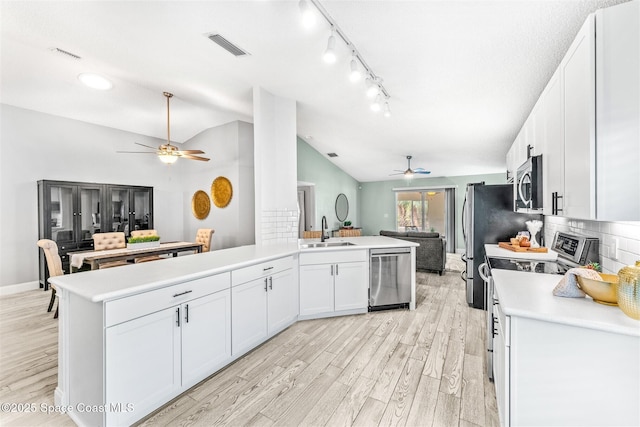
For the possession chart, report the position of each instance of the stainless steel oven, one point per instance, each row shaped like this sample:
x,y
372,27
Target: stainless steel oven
x,y
573,250
528,186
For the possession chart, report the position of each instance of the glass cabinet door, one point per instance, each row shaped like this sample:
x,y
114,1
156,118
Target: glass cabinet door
x,y
141,208
119,210
62,214
89,215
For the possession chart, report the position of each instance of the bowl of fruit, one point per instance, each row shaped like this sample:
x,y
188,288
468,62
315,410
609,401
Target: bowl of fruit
x,y
604,291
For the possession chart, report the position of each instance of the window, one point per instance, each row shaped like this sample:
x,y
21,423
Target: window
x,y
426,209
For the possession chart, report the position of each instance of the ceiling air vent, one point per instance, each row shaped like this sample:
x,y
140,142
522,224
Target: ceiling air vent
x,y
226,45
64,52
332,155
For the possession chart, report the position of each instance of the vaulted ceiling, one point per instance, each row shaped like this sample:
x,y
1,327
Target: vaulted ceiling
x,y
462,75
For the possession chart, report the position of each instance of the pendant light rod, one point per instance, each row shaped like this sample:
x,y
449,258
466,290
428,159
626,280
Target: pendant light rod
x,y
337,30
168,95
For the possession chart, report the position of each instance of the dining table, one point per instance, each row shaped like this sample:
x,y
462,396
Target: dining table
x,y
94,258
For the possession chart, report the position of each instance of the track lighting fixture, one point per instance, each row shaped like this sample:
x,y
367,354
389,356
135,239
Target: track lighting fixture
x,y
330,54
354,75
377,104
308,14
309,10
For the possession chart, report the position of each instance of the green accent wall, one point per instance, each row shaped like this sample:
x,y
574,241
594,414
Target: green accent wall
x,y
329,181
377,200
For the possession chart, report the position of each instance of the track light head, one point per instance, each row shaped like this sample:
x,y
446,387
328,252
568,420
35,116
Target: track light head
x,y
355,74
372,87
308,14
377,104
386,110
330,54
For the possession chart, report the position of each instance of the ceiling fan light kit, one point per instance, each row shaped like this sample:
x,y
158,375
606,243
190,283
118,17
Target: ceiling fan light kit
x,y
409,173
168,153
373,83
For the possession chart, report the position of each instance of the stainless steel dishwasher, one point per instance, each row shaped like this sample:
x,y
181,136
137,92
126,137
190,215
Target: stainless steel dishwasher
x,y
390,278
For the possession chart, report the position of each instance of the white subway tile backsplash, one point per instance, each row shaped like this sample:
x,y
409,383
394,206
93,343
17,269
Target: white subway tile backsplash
x,y
279,226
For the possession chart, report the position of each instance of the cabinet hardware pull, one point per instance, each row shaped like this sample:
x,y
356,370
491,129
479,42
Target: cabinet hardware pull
x,y
268,268
178,317
332,269
271,283
182,293
336,269
265,284
186,313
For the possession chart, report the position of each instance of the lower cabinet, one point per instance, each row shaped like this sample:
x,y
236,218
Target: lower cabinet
x,y
151,358
333,282
263,305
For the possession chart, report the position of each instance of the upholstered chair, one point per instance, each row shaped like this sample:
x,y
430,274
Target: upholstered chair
x,y
106,241
144,233
311,234
351,233
204,236
54,264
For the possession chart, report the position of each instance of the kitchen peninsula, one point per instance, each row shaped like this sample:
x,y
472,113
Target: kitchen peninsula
x,y
131,339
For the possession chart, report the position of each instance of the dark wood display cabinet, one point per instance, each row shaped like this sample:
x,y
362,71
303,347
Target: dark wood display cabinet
x,y
71,212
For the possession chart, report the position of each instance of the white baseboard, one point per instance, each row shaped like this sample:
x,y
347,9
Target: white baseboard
x,y
20,287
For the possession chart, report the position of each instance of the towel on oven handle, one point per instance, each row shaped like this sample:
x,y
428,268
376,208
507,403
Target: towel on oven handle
x,y
568,285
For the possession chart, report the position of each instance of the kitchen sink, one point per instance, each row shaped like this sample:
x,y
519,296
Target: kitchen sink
x,y
325,245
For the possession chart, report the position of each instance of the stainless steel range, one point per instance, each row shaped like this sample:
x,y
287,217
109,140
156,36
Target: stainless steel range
x,y
572,250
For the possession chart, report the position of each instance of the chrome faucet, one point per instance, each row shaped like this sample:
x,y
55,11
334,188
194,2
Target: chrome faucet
x,y
323,226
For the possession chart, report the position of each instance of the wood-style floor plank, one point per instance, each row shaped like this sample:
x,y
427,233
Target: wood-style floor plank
x,y
409,368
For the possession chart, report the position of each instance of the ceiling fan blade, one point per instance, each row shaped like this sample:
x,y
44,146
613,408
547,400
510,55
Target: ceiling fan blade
x,y
148,146
399,173
423,172
137,152
188,156
190,151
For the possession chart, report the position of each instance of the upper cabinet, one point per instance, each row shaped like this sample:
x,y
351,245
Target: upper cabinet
x,y
587,122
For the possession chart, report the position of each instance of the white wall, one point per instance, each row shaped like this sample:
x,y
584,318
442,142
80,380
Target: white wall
x,y
36,146
230,148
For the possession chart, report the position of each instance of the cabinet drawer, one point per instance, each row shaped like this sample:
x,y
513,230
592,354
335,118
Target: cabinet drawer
x,y
127,308
246,274
333,257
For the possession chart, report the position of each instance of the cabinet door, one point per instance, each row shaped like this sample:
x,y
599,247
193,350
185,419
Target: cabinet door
x,y
501,375
89,218
142,363
118,199
316,289
282,301
206,336
578,78
351,285
141,203
248,315
553,158
62,202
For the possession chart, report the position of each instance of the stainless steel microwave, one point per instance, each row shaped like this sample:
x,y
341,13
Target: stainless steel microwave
x,y
528,186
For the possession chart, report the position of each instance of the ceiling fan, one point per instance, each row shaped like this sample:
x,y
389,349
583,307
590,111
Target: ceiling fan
x,y
408,173
166,152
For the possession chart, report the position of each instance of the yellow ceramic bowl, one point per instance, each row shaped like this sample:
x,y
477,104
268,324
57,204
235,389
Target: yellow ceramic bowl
x,y
604,291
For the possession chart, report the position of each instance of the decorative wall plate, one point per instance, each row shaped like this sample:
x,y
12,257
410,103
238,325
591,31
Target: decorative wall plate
x,y
200,204
221,192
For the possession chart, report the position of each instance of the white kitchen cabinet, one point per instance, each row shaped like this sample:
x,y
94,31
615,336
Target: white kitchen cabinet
x,y
579,85
553,146
333,281
264,301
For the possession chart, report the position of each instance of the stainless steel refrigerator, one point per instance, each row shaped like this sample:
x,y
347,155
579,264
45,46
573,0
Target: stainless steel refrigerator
x,y
487,217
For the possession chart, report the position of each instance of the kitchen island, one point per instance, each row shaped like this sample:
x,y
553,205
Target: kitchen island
x,y
562,361
132,338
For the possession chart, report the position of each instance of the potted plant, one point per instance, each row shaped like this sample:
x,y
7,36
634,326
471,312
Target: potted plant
x,y
347,225
143,242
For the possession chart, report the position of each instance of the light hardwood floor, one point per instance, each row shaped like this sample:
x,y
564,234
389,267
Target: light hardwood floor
x,y
415,368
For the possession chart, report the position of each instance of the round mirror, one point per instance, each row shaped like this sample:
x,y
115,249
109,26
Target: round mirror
x,y
342,207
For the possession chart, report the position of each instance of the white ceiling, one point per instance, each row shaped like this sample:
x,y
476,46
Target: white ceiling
x,y
462,75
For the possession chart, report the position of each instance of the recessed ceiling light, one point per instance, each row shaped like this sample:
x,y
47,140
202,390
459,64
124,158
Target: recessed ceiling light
x,y
95,81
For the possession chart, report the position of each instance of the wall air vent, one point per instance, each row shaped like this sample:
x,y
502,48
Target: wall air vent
x,y
332,155
64,52
226,45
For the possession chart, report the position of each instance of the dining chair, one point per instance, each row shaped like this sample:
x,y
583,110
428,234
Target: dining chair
x,y
106,241
144,233
54,264
311,234
351,233
204,236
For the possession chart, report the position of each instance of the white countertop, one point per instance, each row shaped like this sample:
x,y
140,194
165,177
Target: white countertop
x,y
523,294
362,242
495,251
112,283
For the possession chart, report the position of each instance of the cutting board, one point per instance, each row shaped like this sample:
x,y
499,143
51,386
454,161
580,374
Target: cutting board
x,y
511,247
